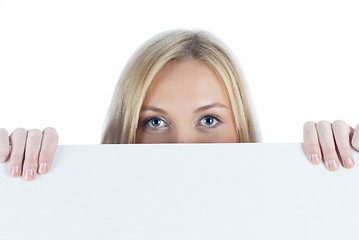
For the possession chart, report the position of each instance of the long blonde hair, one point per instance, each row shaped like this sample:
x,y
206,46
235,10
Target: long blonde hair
x,y
176,45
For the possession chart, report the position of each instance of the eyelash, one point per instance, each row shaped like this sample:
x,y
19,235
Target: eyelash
x,y
149,119
216,117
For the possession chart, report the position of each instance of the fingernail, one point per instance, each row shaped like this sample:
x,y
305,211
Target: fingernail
x,y
332,165
42,168
314,158
348,162
15,171
29,174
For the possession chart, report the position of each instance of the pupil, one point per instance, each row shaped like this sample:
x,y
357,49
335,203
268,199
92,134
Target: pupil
x,y
156,122
209,121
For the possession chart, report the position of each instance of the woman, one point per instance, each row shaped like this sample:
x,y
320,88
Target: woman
x,y
180,87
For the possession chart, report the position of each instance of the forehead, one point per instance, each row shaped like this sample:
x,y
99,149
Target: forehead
x,y
186,81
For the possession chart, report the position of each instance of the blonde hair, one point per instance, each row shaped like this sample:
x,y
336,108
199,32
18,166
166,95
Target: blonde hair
x,y
176,45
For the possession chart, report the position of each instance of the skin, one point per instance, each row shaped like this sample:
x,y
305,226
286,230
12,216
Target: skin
x,y
29,151
331,143
186,103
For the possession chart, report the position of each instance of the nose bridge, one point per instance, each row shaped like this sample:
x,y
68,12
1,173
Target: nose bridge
x,y
184,135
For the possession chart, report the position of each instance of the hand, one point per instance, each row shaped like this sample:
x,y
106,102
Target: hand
x,y
331,143
29,152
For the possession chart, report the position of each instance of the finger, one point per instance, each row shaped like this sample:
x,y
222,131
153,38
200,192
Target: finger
x,y
17,139
341,132
311,142
33,143
48,148
355,139
327,145
4,145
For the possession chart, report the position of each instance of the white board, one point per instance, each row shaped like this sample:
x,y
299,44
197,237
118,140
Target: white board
x,y
175,191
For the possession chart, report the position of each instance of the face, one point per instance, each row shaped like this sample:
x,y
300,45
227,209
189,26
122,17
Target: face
x,y
187,102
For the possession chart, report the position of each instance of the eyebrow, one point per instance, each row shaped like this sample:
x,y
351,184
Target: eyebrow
x,y
153,109
209,106
200,109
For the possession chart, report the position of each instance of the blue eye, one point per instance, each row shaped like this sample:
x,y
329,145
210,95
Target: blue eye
x,y
210,121
155,122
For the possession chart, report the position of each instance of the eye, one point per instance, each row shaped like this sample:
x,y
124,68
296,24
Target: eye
x,y
210,121
155,122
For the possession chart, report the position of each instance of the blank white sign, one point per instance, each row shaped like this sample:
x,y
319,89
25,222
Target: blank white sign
x,y
179,191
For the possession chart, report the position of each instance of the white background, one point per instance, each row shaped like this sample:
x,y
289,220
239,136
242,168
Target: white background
x,y
60,60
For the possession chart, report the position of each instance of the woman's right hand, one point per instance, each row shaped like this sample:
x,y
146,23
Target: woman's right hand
x,y
29,151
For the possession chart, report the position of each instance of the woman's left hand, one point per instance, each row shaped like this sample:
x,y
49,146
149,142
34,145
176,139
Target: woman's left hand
x,y
331,143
